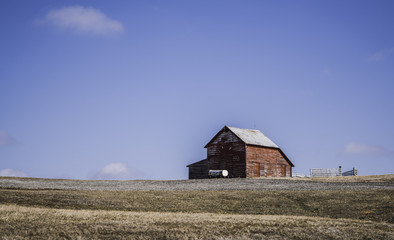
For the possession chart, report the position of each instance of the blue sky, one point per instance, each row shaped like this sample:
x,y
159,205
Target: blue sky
x,y
134,90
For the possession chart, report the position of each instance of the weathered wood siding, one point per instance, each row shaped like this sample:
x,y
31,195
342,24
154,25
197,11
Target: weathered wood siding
x,y
227,152
198,171
264,162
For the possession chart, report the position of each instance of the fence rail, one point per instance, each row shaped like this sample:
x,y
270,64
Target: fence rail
x,y
352,172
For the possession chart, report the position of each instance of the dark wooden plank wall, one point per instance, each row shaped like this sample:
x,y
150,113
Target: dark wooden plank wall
x,y
227,152
198,171
263,161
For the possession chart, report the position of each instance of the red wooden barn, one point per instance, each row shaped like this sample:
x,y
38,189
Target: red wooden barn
x,y
243,153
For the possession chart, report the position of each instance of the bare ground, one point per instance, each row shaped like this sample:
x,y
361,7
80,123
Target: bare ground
x,y
334,183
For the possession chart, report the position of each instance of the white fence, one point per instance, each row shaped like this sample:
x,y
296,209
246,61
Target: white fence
x,y
332,172
326,172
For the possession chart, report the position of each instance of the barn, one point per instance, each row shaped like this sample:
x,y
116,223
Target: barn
x,y
244,153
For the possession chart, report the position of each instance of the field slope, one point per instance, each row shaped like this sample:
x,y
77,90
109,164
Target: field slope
x,y
336,208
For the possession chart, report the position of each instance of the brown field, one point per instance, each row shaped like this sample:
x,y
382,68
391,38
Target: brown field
x,y
47,223
198,214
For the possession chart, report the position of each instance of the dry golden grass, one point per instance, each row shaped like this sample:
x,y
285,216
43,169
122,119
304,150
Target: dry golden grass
x,y
333,204
367,178
17,222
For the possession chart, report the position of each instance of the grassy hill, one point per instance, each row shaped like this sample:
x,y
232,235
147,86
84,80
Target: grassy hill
x,y
323,211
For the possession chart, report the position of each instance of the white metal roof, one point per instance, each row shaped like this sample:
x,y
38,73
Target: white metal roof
x,y
253,137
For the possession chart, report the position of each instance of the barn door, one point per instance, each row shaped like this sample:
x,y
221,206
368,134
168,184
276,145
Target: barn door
x,y
262,172
283,170
256,169
269,169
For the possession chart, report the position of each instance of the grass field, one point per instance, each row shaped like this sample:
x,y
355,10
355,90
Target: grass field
x,y
197,214
48,223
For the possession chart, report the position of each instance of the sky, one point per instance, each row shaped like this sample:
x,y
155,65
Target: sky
x,y
135,89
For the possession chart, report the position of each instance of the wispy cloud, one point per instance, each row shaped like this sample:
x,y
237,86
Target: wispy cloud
x,y
354,149
5,139
326,72
114,171
381,55
12,173
83,20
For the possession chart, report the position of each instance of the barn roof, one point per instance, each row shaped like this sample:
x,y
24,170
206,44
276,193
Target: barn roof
x,y
199,163
249,137
252,137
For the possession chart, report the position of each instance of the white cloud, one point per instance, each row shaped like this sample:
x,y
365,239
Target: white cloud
x,y
381,55
83,20
376,57
367,150
12,173
5,139
114,171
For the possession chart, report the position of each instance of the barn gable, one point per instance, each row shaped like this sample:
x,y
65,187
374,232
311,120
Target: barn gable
x,y
251,137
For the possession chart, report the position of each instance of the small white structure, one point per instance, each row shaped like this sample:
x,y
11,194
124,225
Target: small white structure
x,y
218,173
